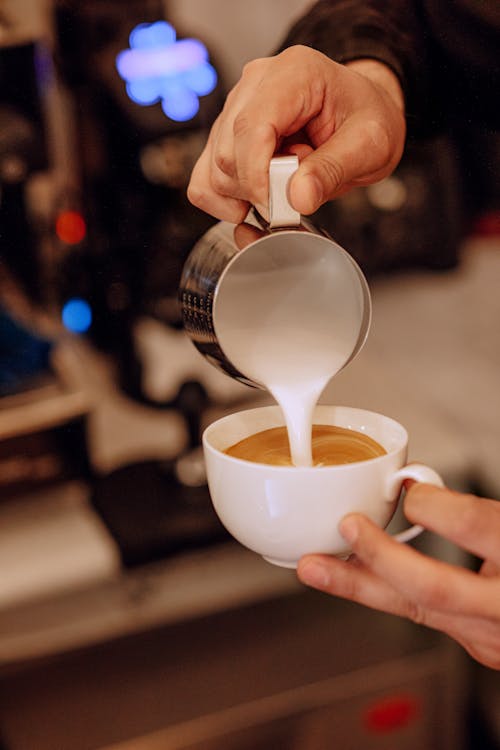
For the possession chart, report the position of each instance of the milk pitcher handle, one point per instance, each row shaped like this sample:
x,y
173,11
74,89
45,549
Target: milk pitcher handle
x,y
281,213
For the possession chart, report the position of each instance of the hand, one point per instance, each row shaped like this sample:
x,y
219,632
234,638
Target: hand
x,y
345,123
392,577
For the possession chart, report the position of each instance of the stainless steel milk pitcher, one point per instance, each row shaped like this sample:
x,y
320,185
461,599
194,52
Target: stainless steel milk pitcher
x,y
237,276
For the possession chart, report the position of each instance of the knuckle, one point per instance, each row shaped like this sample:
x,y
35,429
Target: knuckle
x,y
415,612
378,139
196,195
218,183
366,550
348,583
254,67
292,53
351,589
434,594
298,52
225,163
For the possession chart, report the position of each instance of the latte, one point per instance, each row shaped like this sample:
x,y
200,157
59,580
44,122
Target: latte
x,y
331,445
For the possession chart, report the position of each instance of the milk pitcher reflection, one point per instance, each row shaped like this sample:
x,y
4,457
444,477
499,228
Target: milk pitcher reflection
x,y
278,305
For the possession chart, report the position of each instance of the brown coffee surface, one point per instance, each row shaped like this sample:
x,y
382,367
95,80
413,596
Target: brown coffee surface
x,y
331,445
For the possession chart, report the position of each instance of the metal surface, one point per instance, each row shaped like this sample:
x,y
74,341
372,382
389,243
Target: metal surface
x,y
227,247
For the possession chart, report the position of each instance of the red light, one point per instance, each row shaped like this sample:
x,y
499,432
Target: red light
x,y
70,227
391,713
487,224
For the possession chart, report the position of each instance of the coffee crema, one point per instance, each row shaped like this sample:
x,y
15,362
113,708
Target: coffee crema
x,y
331,446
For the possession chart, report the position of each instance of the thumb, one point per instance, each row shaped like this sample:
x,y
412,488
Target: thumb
x,y
318,179
358,153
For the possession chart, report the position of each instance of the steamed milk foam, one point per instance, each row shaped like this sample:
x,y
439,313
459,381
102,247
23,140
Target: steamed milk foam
x,y
285,321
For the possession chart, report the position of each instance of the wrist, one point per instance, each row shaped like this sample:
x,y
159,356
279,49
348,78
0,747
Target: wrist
x,y
381,75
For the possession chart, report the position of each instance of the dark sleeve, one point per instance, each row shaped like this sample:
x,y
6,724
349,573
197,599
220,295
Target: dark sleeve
x,y
391,31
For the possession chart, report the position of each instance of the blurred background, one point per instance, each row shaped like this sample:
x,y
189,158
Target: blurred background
x,y
128,618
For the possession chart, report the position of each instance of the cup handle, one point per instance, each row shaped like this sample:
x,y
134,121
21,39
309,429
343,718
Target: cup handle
x,y
420,473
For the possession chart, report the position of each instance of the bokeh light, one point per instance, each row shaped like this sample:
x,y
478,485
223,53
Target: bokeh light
x,y
77,315
70,227
157,68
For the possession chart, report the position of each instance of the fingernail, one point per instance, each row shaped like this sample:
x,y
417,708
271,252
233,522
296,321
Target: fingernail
x,y
348,527
314,574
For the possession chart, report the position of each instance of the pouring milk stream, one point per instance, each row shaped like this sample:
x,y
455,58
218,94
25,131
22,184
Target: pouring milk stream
x,y
295,350
289,310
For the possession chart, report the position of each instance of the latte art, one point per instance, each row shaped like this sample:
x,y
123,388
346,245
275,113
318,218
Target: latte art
x,y
331,446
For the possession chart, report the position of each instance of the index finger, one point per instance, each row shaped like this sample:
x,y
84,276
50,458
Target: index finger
x,y
471,522
432,584
204,195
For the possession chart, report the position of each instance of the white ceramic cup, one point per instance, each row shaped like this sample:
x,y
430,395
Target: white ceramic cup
x,y
284,512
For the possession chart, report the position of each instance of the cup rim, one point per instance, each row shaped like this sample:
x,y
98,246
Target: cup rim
x,y
401,431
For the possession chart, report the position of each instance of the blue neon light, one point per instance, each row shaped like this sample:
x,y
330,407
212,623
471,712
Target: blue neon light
x,y
157,68
159,34
180,105
77,315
